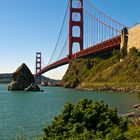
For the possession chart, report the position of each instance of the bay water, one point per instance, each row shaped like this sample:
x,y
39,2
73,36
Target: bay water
x,y
26,113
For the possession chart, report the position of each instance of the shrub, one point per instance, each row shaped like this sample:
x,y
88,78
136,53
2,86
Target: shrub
x,y
133,133
89,63
86,120
133,51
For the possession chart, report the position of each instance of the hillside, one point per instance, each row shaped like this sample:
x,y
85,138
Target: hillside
x,y
105,74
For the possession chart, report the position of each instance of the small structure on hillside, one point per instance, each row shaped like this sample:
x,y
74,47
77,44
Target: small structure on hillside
x,y
124,42
134,37
130,38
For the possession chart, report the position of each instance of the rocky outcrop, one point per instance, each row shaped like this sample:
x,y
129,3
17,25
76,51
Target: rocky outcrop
x,y
136,106
134,115
22,79
32,87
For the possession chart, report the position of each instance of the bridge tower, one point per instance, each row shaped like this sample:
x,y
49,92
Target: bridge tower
x,y
38,67
72,23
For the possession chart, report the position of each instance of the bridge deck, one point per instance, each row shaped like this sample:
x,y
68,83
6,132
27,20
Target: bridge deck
x,y
95,49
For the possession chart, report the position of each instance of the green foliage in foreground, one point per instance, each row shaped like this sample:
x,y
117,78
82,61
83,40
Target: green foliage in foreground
x,y
86,121
133,133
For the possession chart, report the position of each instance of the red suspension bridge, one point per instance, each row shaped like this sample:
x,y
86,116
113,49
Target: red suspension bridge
x,y
91,32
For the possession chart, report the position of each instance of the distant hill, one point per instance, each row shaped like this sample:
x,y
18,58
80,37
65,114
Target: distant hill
x,y
7,77
43,78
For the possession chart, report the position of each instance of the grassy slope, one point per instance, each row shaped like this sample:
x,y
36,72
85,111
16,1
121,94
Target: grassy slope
x,y
97,72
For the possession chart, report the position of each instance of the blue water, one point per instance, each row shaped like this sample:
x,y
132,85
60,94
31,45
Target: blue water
x,y
28,112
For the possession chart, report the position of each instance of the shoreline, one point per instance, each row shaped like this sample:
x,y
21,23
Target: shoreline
x,y
121,89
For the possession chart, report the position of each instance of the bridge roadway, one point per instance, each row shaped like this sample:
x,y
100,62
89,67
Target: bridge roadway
x,y
105,46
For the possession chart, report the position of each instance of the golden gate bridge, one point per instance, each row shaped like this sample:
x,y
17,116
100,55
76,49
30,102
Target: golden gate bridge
x,y
89,32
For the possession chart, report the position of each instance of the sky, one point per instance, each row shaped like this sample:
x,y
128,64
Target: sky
x,y
30,26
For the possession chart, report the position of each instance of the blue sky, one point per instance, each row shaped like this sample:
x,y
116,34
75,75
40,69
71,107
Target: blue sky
x,y
28,26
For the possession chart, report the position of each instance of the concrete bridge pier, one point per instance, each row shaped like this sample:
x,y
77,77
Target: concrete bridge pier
x,y
124,43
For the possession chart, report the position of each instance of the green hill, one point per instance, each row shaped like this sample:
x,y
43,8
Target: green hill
x,y
105,73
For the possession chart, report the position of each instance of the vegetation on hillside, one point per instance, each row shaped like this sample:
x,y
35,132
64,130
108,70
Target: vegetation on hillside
x,y
98,72
133,133
86,121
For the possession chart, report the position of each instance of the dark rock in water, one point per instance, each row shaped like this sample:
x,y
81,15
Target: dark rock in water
x,y
22,78
136,106
32,87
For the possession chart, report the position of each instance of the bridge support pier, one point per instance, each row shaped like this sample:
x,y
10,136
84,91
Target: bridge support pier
x,y
124,42
72,23
38,67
